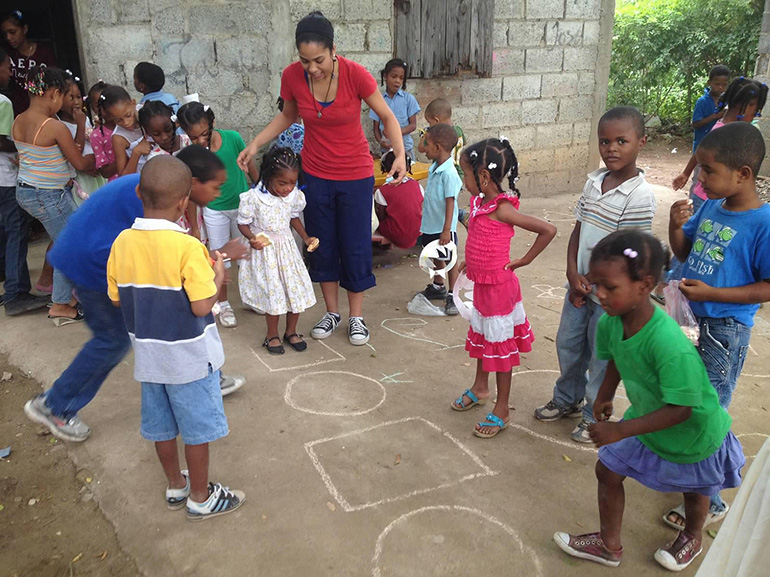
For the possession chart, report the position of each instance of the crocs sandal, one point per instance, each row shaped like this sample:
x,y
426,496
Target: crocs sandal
x,y
300,346
711,517
458,404
492,420
679,554
279,350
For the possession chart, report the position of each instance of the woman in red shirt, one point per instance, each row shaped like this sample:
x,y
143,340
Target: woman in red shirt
x,y
326,90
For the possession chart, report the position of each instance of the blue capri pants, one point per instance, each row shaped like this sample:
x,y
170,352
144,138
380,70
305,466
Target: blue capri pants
x,y
339,214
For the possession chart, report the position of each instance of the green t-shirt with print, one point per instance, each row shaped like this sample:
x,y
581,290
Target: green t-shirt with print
x,y
236,183
660,366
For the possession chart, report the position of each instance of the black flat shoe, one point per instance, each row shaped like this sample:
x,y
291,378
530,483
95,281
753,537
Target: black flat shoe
x,y
299,347
273,350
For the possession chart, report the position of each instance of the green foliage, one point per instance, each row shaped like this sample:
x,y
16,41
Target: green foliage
x,y
663,50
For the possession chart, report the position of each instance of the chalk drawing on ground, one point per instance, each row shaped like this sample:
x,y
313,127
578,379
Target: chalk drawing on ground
x,y
325,389
481,470
456,512
393,324
743,435
550,292
393,378
337,357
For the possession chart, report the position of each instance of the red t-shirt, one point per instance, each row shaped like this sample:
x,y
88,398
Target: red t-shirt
x,y
20,65
404,208
335,145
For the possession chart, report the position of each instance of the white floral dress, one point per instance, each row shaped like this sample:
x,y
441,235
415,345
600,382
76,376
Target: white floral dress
x,y
274,280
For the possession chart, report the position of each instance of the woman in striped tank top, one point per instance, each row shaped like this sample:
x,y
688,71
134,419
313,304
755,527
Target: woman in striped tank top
x,y
45,147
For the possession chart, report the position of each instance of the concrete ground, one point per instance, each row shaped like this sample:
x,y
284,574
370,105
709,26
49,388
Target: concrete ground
x,y
351,458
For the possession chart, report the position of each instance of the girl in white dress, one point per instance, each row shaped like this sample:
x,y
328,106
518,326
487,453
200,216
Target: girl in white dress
x,y
273,279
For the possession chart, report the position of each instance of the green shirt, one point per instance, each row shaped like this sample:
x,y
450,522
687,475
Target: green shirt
x,y
236,183
458,149
659,366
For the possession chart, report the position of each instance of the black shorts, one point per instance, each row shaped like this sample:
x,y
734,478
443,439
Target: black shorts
x,y
425,239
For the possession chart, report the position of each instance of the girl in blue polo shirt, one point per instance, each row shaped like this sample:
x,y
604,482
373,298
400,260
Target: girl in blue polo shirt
x,y
403,104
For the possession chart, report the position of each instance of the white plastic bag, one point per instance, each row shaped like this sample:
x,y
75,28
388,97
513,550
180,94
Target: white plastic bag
x,y
420,305
678,308
463,296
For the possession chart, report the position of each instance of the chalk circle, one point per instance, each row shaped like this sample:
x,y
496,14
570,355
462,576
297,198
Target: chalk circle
x,y
762,435
334,396
451,540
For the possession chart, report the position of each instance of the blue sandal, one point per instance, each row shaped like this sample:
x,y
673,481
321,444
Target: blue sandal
x,y
458,404
492,420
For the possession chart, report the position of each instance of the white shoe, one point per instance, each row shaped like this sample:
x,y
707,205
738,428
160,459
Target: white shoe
x,y
230,383
227,317
324,328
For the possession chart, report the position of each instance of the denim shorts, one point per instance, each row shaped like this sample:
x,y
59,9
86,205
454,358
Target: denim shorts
x,y
723,346
194,409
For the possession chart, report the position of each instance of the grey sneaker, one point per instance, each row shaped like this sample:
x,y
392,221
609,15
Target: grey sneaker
x,y
70,430
450,309
24,303
553,412
358,334
230,383
324,328
580,433
434,294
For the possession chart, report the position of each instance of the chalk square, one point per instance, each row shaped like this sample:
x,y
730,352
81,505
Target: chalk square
x,y
312,357
392,461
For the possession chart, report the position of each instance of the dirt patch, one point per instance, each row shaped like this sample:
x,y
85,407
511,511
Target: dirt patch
x,y
50,524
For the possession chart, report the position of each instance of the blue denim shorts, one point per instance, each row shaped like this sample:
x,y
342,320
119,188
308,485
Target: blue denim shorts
x,y
194,409
723,346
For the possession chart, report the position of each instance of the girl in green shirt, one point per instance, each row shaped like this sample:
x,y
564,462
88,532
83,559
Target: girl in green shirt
x,y
674,437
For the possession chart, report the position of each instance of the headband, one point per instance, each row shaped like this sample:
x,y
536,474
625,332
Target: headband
x,y
315,24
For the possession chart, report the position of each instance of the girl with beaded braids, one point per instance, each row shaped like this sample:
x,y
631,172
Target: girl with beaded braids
x,y
46,149
220,216
499,328
273,279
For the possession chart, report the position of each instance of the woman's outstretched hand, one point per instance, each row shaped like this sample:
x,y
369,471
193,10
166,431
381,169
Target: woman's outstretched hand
x,y
246,157
397,171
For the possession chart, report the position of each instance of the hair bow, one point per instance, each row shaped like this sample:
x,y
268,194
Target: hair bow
x,y
491,165
630,253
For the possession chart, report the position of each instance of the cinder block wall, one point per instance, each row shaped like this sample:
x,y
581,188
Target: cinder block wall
x,y
547,90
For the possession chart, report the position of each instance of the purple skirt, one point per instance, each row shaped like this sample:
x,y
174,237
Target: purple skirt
x,y
722,470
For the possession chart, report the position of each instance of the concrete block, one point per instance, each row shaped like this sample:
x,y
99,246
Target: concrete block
x,y
168,22
365,10
544,59
553,135
561,84
168,54
522,138
576,108
526,34
133,42
571,157
586,83
536,160
254,18
481,90
198,54
134,11
229,20
499,114
591,31
372,61
583,58
545,9
539,111
332,9
259,81
100,12
561,33
507,61
522,87
211,82
241,52
427,90
581,133
378,37
500,37
507,9
350,37
583,9
551,183
462,116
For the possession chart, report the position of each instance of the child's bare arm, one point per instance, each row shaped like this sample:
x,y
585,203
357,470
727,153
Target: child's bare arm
x,y
69,148
191,212
697,290
680,213
377,132
446,234
411,127
203,307
605,433
297,225
603,404
545,232
681,180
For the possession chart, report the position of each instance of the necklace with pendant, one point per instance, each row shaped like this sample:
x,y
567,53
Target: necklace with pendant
x,y
326,96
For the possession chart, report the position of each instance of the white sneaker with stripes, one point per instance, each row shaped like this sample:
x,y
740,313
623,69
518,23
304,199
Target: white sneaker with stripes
x,y
220,502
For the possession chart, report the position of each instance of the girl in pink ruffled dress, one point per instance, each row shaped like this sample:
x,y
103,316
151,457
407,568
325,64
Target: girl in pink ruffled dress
x,y
499,328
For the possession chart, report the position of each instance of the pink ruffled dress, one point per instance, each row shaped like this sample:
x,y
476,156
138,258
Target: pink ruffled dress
x,y
499,328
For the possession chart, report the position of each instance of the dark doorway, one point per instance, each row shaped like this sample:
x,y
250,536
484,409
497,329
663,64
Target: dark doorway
x,y
50,21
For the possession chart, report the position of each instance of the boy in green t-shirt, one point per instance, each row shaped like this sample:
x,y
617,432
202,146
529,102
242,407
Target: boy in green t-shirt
x,y
675,437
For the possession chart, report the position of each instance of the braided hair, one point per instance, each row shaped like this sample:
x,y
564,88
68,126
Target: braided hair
x,y
643,254
153,108
192,113
71,78
387,160
110,96
92,100
497,157
390,65
741,92
42,78
276,160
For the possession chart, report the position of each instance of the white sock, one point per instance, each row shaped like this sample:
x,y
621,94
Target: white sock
x,y
224,304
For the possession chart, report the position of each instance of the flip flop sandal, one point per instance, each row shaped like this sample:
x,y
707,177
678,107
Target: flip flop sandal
x,y
458,404
279,350
300,346
711,517
492,420
61,321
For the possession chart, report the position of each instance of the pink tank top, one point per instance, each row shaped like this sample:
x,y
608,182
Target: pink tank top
x,y
488,247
